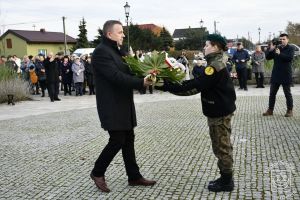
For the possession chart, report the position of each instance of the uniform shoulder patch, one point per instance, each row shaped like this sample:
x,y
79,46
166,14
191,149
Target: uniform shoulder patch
x,y
209,70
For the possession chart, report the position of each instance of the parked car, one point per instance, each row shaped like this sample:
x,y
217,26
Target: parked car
x,y
83,51
297,49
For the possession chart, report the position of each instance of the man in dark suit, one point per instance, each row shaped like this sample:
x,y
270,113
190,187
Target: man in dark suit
x,y
283,55
114,95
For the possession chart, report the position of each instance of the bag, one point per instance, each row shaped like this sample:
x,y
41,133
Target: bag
x,y
249,74
33,77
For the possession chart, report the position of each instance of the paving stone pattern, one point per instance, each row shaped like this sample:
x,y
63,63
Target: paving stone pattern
x,y
50,156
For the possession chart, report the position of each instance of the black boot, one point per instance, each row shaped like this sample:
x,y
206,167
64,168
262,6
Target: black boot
x,y
224,183
261,81
43,93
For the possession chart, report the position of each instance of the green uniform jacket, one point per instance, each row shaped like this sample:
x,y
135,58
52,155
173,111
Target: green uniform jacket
x,y
217,90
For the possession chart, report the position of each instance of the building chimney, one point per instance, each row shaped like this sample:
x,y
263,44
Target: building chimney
x,y
42,30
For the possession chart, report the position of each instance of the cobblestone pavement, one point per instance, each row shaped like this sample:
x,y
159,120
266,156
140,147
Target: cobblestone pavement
x,y
50,156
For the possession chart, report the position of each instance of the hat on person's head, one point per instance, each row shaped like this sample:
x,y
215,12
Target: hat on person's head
x,y
239,43
217,38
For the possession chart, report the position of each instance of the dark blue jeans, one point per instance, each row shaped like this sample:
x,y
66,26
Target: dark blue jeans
x,y
287,92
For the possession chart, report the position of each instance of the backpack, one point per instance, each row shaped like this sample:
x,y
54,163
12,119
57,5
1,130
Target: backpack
x,y
33,76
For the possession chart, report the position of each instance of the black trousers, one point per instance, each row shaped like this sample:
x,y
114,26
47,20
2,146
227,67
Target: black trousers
x,y
287,92
91,89
118,140
259,78
43,86
67,88
79,88
53,90
242,77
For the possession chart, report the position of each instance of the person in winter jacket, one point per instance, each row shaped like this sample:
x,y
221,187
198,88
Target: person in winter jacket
x,y
78,76
218,104
283,55
240,58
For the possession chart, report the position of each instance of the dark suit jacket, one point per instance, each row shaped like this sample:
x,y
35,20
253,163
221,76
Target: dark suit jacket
x,y
282,68
114,87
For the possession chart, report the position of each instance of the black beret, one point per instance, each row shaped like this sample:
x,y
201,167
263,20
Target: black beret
x,y
217,38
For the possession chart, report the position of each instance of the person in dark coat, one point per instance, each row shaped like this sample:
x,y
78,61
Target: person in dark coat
x,y
283,55
52,77
89,75
114,96
240,58
67,75
41,72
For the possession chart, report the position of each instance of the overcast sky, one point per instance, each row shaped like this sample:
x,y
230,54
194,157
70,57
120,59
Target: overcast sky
x,y
235,18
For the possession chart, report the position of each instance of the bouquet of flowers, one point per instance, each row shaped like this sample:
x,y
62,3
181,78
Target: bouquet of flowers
x,y
156,67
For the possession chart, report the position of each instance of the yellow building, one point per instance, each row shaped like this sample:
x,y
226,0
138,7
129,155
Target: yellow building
x,y
22,42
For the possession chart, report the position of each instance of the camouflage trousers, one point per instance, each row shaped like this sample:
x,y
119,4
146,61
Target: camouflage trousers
x,y
220,131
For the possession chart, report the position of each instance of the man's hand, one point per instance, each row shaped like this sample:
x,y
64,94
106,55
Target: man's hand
x,y
277,51
147,81
236,60
242,60
59,78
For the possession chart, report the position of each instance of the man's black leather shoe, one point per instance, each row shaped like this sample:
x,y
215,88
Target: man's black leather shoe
x,y
142,181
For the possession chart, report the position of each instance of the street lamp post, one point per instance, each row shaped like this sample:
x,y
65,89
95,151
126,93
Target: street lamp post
x,y
215,26
201,23
259,29
127,9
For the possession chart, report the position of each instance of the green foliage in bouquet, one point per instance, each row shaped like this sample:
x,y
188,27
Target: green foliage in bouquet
x,y
155,66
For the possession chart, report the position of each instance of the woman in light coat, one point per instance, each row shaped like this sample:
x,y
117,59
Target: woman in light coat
x,y
78,75
258,63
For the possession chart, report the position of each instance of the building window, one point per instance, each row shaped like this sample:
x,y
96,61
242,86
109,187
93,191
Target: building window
x,y
42,51
8,43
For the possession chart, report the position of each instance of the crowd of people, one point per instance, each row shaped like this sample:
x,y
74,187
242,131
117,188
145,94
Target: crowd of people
x,y
54,73
67,72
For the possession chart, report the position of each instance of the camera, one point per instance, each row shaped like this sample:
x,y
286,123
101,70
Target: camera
x,y
276,42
